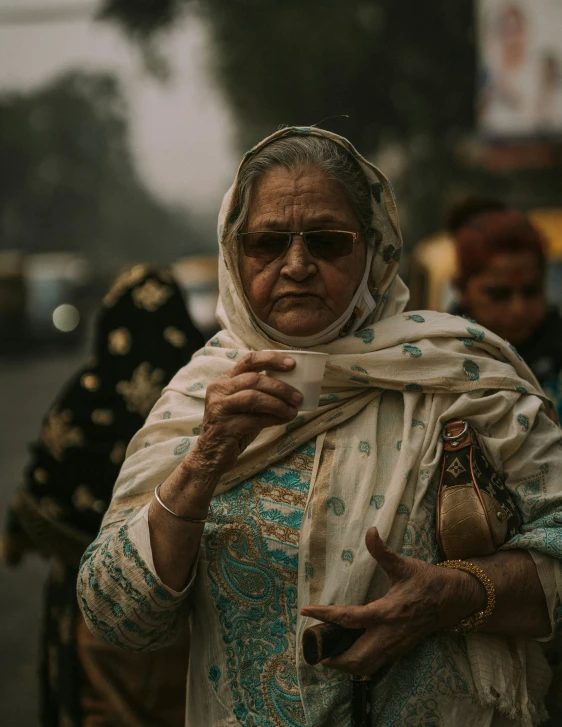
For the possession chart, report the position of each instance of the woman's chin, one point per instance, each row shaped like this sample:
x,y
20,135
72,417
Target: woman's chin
x,y
299,327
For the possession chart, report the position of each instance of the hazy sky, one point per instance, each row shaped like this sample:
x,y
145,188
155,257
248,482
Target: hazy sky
x,y
181,130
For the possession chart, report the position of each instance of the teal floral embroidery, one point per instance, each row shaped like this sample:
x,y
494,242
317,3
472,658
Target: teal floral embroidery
x,y
544,468
215,342
182,447
166,415
476,333
196,431
416,318
329,398
359,379
233,353
366,335
399,445
524,421
146,444
359,368
335,416
468,342
365,448
470,320
471,369
424,475
347,556
253,573
413,387
403,510
515,351
195,387
418,423
413,351
214,676
295,424
337,505
521,389
377,501
308,571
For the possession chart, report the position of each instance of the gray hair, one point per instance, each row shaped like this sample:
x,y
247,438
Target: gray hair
x,y
291,152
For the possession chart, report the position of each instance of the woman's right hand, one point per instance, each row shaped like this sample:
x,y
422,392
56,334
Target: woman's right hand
x,y
241,403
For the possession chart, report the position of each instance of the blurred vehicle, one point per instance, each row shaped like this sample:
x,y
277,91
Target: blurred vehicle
x,y
42,299
433,264
198,279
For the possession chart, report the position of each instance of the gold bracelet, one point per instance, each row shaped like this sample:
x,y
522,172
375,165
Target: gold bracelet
x,y
478,619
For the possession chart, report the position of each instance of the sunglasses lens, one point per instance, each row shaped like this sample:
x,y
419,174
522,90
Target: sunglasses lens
x,y
329,244
266,246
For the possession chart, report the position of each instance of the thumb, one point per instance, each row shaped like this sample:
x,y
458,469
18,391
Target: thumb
x,y
394,564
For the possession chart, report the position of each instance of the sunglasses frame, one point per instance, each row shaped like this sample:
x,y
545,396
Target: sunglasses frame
x,y
290,234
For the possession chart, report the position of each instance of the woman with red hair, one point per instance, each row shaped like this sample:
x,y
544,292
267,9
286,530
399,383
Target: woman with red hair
x,y
500,279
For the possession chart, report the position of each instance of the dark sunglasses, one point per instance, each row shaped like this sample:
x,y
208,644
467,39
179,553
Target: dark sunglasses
x,y
503,293
322,244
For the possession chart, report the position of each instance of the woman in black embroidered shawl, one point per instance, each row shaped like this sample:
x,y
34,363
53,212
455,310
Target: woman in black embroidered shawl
x,y
144,335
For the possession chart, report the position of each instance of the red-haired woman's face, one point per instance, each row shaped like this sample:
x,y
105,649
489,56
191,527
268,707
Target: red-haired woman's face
x,y
508,296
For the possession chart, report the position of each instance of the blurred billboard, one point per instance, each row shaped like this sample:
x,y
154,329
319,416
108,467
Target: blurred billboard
x,y
520,54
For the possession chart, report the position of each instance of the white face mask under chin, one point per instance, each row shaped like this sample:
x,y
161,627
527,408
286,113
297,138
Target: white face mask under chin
x,y
362,300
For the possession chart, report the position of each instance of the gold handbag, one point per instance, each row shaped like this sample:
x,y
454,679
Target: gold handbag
x,y
475,512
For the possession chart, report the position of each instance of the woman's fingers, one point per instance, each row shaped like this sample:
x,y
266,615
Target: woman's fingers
x,y
396,566
350,617
253,381
262,360
259,402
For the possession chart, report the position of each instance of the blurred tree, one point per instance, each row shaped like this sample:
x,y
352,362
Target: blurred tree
x,y
69,181
404,72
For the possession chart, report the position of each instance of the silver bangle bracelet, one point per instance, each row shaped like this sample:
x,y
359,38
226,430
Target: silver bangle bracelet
x,y
180,517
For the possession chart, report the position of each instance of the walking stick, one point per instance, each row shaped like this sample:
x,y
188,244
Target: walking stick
x,y
327,639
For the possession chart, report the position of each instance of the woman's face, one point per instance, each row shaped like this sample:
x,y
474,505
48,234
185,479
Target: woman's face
x,y
297,294
508,296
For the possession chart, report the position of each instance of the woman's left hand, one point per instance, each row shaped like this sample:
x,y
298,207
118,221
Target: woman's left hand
x,y
422,599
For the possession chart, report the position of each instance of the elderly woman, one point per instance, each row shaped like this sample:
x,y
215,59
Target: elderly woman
x,y
261,511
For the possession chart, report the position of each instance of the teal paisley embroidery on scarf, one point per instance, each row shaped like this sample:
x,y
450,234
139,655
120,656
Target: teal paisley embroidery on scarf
x,y
337,505
347,556
329,398
366,335
471,369
523,421
413,351
182,447
295,424
308,571
146,444
251,543
365,448
413,388
476,333
167,415
196,431
233,353
399,445
468,342
359,379
416,318
377,501
418,423
360,369
403,510
521,389
515,351
335,416
195,387
214,676
215,342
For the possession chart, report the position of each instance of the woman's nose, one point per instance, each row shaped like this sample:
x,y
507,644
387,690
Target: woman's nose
x,y
298,263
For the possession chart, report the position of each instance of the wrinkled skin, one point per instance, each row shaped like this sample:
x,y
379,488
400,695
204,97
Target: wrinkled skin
x,y
298,294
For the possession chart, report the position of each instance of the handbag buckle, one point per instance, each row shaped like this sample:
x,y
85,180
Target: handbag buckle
x,y
454,439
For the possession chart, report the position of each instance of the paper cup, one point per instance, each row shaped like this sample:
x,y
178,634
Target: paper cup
x,y
306,377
